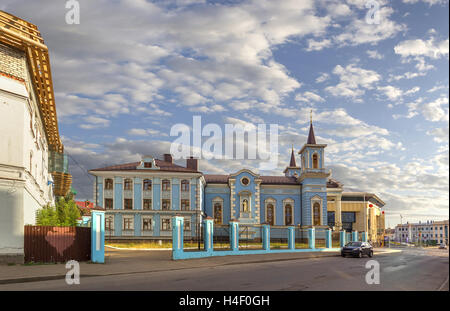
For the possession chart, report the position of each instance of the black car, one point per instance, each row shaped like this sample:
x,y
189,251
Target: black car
x,y
357,249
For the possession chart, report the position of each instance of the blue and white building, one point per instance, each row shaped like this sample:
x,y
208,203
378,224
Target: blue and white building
x,y
140,198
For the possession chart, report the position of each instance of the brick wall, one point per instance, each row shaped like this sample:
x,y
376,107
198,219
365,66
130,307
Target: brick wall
x,y
12,62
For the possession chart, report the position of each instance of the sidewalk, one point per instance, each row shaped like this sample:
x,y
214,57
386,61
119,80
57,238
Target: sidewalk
x,y
140,261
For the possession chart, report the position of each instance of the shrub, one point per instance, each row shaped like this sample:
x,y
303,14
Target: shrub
x,y
65,213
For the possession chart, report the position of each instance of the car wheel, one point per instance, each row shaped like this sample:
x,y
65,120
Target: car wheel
x,y
370,253
342,254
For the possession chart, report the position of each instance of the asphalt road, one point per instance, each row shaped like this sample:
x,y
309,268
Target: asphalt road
x,y
408,270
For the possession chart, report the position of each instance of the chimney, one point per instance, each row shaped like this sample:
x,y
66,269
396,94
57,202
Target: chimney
x,y
168,157
192,163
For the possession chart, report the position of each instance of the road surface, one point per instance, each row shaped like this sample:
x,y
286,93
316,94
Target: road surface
x,y
407,270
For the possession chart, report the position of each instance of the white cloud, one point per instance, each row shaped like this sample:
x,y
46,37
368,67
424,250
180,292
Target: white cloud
x,y
314,45
374,54
361,32
353,81
309,97
440,135
93,122
323,77
391,92
419,47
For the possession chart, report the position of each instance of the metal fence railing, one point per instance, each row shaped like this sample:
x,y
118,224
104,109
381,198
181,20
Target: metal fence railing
x,y
279,237
250,236
320,238
301,238
194,240
221,237
335,239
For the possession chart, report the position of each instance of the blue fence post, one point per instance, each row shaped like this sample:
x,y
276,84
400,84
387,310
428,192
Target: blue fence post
x,y
266,237
355,236
291,237
312,238
342,238
98,236
364,237
208,231
177,236
234,235
328,240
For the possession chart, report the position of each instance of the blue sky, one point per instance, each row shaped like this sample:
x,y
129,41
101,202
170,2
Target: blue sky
x,y
133,68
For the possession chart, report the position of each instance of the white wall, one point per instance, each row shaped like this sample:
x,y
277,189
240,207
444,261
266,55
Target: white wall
x,y
23,179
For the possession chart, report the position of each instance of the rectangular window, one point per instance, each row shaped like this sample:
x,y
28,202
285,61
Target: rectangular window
x,y
128,223
187,224
128,204
185,205
165,224
109,222
147,204
109,204
147,224
165,185
166,205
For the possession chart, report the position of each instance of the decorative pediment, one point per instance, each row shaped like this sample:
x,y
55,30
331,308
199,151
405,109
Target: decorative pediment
x,y
244,171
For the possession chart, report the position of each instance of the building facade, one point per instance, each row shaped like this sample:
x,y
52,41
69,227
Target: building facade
x,y
140,198
30,147
423,232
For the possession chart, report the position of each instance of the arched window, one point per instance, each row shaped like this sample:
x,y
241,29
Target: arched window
x,y
270,219
147,185
288,215
218,213
315,159
316,214
108,184
166,185
185,185
128,184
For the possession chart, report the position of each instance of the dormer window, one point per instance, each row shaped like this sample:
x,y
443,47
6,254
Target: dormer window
x,y
148,164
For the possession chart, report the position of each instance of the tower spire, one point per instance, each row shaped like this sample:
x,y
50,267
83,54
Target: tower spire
x,y
292,163
311,138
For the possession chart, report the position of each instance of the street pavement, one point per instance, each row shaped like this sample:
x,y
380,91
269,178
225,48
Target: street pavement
x,y
405,270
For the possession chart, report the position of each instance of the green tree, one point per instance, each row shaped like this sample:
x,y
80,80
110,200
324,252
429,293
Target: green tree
x,y
65,213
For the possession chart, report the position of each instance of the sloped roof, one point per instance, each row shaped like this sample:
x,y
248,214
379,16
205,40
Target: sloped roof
x,y
164,166
311,137
266,180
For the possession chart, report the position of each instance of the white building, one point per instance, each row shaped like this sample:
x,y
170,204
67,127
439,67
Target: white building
x,y
27,138
423,232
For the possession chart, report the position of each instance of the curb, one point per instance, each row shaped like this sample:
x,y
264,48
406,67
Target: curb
x,y
62,276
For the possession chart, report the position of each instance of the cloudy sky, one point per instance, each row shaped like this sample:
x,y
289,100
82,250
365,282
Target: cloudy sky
x,y
133,68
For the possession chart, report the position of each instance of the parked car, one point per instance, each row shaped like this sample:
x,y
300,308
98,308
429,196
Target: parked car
x,y
357,249
442,246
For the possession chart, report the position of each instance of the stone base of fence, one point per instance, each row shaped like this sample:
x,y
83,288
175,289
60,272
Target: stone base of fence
x,y
209,251
177,255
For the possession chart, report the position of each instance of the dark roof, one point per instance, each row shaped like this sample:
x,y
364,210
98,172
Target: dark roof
x,y
164,166
311,138
292,162
333,183
216,179
266,180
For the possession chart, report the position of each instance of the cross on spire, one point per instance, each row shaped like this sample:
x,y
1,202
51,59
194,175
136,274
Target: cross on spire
x,y
311,138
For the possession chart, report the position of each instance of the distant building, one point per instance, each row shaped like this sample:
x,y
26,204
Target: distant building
x,y
423,232
33,168
140,198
